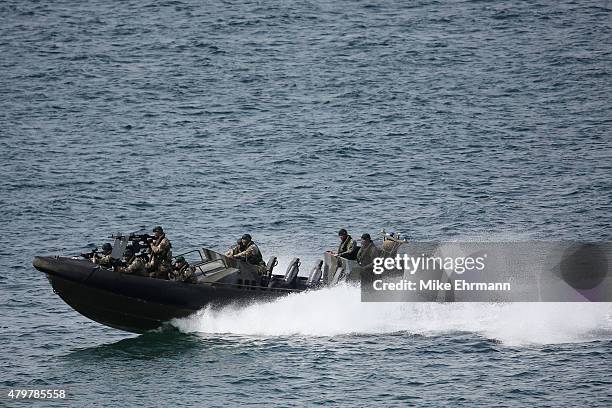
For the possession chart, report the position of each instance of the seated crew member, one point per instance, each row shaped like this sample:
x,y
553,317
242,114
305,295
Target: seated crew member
x,y
105,259
235,249
132,264
182,272
367,252
160,263
347,248
250,253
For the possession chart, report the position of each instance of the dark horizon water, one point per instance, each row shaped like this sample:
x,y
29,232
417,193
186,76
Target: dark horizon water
x,y
442,120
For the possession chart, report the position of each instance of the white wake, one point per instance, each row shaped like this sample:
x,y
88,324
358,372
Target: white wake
x,y
339,311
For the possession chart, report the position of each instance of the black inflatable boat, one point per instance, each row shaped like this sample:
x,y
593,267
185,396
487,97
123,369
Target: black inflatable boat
x,y
138,304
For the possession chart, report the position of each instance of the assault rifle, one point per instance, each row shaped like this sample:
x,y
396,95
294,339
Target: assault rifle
x,y
140,244
141,237
134,237
137,242
91,254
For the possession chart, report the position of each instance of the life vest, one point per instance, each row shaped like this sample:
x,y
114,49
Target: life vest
x,y
344,245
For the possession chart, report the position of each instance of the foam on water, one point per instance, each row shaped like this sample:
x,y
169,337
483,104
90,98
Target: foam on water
x,y
339,311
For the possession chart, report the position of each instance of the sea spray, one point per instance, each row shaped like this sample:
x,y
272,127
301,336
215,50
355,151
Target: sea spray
x,y
339,311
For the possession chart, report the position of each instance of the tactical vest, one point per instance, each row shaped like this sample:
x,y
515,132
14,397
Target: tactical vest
x,y
164,256
135,266
185,274
256,258
181,271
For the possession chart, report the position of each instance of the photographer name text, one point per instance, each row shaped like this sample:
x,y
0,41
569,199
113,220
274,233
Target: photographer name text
x,y
410,265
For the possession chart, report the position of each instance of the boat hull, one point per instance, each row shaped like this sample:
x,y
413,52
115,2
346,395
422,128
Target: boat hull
x,y
134,303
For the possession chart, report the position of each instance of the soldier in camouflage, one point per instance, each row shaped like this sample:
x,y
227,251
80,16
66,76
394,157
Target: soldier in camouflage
x,y
235,249
347,248
105,259
367,252
250,252
132,264
160,263
182,272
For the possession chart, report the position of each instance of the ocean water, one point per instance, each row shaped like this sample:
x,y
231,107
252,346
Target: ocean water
x,y
290,120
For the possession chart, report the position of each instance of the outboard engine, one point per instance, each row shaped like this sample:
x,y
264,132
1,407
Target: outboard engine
x,y
287,280
314,278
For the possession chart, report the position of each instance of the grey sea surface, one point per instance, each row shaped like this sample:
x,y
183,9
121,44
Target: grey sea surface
x,y
474,119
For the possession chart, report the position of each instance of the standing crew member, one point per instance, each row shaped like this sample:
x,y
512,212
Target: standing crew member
x,y
160,264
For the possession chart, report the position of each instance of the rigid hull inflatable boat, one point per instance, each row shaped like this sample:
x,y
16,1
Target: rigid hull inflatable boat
x,y
139,304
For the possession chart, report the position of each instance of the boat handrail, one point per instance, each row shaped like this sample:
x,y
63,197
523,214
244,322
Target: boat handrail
x,y
190,252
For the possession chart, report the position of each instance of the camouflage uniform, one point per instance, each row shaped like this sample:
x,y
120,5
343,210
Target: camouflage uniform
x,y
184,273
251,254
104,260
347,248
367,253
135,266
160,264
